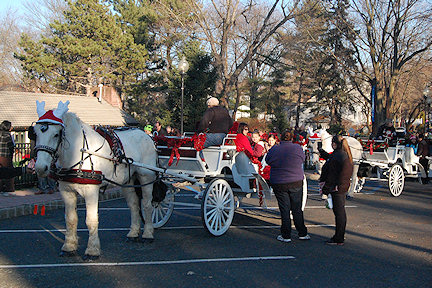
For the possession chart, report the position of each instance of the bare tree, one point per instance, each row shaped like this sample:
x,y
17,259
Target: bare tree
x,y
10,71
39,13
393,35
227,25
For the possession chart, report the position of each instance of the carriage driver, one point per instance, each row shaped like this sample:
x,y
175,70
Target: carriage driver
x,y
216,122
387,131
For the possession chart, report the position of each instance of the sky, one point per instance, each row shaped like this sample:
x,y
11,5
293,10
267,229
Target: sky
x,y
17,5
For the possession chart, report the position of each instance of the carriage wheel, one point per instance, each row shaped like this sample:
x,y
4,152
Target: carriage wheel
x,y
304,199
396,180
163,210
359,185
217,207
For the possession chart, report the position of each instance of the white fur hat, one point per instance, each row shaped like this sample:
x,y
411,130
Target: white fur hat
x,y
212,102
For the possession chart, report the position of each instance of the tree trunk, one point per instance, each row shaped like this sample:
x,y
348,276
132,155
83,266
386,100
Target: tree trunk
x,y
299,100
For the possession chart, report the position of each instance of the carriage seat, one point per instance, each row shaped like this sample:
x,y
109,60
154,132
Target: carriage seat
x,y
410,156
244,165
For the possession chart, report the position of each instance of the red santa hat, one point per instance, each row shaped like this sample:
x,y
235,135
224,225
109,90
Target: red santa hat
x,y
315,137
51,116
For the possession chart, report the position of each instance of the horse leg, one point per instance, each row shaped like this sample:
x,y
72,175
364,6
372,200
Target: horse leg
x,y
133,204
71,218
354,181
147,196
92,221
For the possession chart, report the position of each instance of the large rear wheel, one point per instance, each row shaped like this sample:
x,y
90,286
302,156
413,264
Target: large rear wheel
x,y
396,180
217,207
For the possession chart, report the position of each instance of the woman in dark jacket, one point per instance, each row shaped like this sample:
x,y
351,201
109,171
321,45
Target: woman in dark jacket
x,y
336,175
286,178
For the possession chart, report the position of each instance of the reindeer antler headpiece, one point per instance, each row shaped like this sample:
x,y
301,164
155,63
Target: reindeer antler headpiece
x,y
51,116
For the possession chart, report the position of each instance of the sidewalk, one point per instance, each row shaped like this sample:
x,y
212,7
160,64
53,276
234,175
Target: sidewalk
x,y
25,202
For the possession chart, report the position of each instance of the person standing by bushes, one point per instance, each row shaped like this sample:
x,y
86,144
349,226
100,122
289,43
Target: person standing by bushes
x,y
7,147
336,176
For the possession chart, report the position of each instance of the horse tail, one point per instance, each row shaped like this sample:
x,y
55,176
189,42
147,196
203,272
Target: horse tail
x,y
138,192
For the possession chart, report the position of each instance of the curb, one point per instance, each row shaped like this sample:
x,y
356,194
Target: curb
x,y
28,209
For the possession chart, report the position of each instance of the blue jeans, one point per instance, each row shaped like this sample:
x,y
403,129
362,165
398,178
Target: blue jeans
x,y
214,139
290,199
45,184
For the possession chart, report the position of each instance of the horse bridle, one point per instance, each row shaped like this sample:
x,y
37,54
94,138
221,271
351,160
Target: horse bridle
x,y
45,148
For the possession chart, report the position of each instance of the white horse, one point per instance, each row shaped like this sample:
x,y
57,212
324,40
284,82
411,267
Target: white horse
x,y
325,143
60,138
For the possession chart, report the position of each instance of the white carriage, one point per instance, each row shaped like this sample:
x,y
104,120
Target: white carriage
x,y
222,177
392,163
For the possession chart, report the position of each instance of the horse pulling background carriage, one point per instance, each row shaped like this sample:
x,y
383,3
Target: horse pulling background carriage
x,y
376,160
84,160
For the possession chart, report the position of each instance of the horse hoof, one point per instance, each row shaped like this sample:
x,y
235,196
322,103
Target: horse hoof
x,y
68,253
148,240
133,239
87,257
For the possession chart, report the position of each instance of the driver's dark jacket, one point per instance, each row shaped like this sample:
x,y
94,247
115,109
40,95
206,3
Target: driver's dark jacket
x,y
215,120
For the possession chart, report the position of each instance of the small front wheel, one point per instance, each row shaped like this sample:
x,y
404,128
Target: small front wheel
x,y
217,207
162,211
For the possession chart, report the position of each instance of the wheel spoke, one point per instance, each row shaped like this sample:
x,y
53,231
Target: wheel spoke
x,y
226,215
212,200
226,202
225,196
212,224
210,214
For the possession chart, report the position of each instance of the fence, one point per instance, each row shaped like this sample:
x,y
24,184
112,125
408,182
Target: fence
x,y
22,153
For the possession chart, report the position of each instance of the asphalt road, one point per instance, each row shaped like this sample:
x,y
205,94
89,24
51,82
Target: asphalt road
x,y
388,244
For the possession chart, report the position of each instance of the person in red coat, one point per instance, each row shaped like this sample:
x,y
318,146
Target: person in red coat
x,y
243,143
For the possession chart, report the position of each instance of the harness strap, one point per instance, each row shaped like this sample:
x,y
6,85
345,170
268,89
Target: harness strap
x,y
78,176
130,186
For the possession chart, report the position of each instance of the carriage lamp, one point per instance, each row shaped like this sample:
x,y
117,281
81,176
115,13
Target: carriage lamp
x,y
428,102
183,67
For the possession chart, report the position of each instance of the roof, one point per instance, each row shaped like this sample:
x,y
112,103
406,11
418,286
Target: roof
x,y
20,109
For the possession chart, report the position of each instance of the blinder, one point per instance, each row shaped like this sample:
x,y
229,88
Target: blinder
x,y
50,150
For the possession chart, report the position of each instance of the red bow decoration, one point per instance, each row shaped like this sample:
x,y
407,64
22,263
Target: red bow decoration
x,y
176,143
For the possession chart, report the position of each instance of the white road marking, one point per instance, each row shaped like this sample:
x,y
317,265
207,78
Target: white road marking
x,y
166,262
198,208
163,228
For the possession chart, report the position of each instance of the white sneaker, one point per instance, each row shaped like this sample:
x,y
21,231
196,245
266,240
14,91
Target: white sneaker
x,y
286,240
306,237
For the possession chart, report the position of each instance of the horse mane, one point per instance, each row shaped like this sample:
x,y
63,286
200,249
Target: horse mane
x,y
72,120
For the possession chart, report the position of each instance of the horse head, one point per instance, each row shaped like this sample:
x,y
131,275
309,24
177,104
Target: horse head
x,y
49,132
326,140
